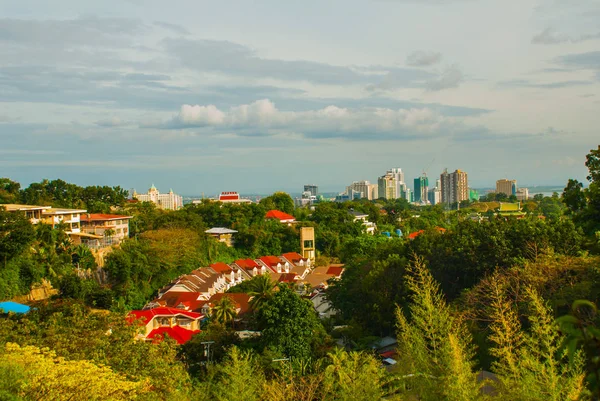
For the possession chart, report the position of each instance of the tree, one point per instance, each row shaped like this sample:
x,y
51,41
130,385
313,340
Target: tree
x,y
279,201
9,191
592,162
531,365
224,311
16,233
48,377
261,291
353,376
574,197
435,346
238,379
290,325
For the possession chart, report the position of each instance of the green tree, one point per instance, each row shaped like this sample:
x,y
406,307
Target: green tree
x,y
223,311
531,366
290,325
9,191
574,197
261,290
238,378
16,233
435,346
279,201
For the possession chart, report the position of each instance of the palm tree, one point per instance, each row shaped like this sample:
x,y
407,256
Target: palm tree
x,y
261,291
224,310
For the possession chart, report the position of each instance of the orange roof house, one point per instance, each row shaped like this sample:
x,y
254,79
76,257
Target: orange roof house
x,y
281,216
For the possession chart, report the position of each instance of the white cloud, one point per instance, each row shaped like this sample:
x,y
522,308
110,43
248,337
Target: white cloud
x,y
199,116
550,36
263,118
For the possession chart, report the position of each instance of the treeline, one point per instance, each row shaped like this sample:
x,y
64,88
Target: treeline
x,y
58,193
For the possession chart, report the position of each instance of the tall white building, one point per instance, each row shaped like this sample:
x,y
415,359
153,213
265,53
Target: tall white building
x,y
168,201
399,178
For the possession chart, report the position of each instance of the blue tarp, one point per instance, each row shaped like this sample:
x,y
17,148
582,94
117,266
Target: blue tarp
x,y
13,307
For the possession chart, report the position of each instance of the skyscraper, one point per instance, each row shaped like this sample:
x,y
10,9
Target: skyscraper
x,y
400,184
507,187
421,187
455,186
387,186
313,189
435,194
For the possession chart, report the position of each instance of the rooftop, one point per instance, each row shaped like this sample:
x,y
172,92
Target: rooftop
x,y
103,217
220,230
279,215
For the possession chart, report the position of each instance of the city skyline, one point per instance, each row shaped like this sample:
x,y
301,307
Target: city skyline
x,y
210,97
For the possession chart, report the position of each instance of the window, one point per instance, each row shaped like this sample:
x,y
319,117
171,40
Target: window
x,y
308,243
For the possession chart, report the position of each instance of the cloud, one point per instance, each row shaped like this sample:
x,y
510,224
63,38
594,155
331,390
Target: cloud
x,y
550,85
423,59
171,27
262,118
451,77
111,122
589,60
80,32
237,60
549,36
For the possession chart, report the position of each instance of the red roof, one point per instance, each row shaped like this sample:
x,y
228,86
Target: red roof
x,y
417,233
246,264
149,314
388,354
276,214
293,257
241,300
172,299
221,267
335,270
102,217
271,260
177,333
288,277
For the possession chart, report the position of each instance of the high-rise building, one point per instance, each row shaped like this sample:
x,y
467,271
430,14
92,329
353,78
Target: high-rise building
x,y
168,201
434,195
507,187
455,186
387,186
399,177
313,189
522,194
421,188
369,191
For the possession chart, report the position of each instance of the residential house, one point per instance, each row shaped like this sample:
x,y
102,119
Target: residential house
x,y
232,276
249,267
322,305
275,264
113,227
364,219
300,265
221,234
203,281
189,301
240,300
282,217
178,324
32,212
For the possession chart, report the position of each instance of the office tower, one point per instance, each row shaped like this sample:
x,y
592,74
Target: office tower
x,y
369,191
387,186
421,187
455,186
399,177
313,189
507,187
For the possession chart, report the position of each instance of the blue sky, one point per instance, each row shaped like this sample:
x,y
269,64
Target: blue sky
x,y
257,96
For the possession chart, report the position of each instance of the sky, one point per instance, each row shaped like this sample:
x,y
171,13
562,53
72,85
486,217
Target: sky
x,y
258,96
